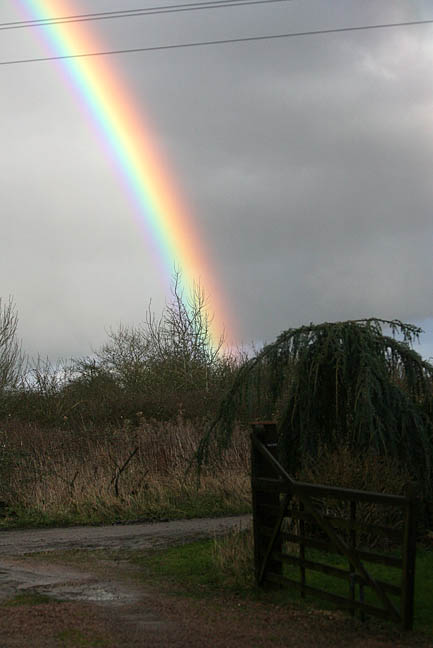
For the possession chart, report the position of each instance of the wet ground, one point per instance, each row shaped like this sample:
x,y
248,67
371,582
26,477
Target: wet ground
x,y
26,569
120,536
97,601
18,576
60,582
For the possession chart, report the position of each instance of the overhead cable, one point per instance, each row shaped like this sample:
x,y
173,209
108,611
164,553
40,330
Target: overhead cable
x,y
132,13
224,41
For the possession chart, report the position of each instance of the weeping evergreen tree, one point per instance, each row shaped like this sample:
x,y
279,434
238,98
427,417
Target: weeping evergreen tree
x,y
334,383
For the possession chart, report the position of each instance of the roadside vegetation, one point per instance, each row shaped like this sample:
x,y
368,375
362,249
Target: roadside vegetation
x,y
127,473
112,437
119,435
357,385
154,426
224,567
163,366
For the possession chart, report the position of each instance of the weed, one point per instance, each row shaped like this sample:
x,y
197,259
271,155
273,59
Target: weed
x,y
225,565
29,598
77,639
233,558
64,478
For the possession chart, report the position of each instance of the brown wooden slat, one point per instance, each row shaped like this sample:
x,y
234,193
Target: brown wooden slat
x,y
333,538
302,551
369,556
352,569
334,571
274,539
389,561
335,598
262,500
261,516
277,480
409,555
341,523
268,484
309,542
268,507
359,525
318,490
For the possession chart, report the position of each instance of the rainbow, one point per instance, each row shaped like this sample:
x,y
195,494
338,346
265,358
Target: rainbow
x,y
157,205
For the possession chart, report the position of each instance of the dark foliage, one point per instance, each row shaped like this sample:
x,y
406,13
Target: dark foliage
x,y
165,366
333,383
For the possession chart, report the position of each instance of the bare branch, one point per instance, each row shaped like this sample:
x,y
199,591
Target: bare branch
x,y
12,359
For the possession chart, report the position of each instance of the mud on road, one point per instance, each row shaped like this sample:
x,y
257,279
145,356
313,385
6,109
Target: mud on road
x,y
95,601
17,576
122,536
98,607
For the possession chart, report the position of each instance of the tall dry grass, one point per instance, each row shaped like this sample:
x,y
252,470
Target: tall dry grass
x,y
233,558
141,472
345,468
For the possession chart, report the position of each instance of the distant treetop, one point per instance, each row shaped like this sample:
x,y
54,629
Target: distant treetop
x,y
333,383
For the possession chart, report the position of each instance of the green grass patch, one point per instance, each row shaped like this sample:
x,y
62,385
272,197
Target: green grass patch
x,y
29,598
211,567
189,566
190,506
77,639
423,607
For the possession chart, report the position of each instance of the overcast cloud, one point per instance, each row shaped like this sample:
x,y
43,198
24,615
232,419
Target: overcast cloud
x,y
307,164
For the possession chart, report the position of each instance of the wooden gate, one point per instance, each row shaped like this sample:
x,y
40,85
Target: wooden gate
x,y
289,511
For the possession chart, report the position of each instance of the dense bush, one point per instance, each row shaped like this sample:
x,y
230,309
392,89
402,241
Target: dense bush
x,y
120,473
12,360
163,367
368,471
339,384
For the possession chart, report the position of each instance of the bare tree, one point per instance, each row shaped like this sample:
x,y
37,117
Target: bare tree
x,y
182,334
126,355
174,349
12,359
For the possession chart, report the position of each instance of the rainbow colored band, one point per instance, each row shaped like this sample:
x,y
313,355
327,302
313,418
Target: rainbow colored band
x,y
157,206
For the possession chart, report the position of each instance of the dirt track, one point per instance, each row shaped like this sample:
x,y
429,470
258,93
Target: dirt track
x,y
99,602
125,536
18,576
98,599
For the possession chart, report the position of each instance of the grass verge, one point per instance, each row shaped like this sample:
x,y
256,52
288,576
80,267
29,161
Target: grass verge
x,y
225,566
29,598
191,503
75,638
60,478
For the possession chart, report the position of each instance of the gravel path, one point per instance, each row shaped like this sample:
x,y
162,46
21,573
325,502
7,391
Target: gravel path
x,y
99,602
125,536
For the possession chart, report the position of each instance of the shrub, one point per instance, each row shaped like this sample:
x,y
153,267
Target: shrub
x,y
120,473
233,558
336,384
344,468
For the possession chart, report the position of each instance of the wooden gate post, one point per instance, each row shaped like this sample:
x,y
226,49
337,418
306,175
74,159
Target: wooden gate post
x,y
265,505
409,553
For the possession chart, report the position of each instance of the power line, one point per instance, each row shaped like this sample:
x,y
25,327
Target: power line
x,y
224,41
131,13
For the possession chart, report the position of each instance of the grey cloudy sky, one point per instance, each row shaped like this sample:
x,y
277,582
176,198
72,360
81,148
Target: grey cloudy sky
x,y
307,164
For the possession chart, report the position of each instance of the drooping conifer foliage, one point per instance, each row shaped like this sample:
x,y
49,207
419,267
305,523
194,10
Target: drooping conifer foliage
x,y
334,383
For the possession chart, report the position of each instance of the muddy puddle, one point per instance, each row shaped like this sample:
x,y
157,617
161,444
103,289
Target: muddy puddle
x,y
61,583
65,583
